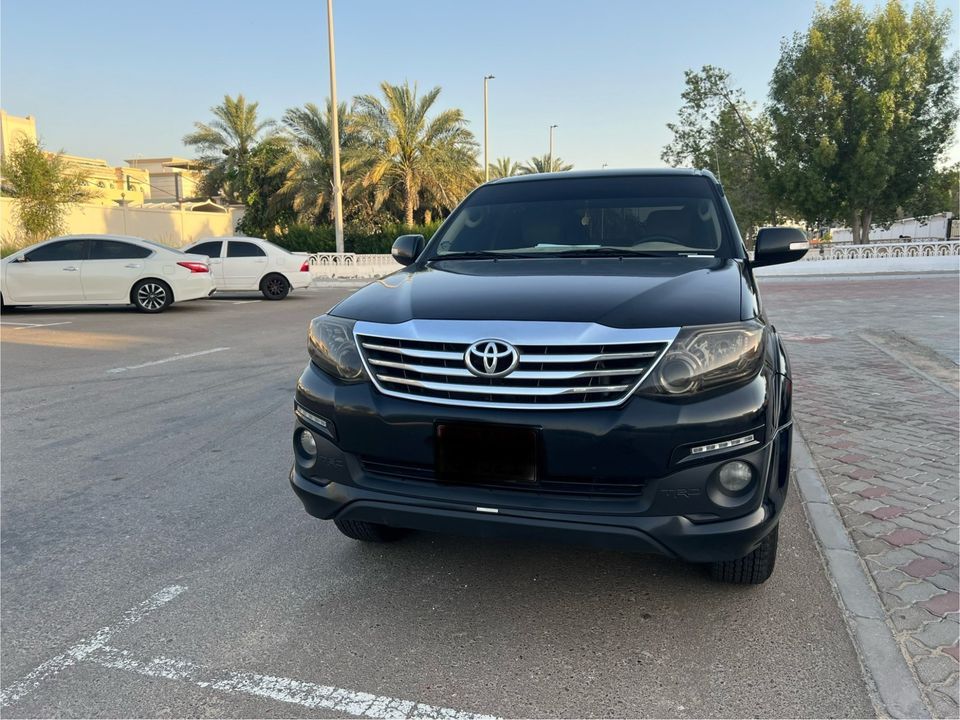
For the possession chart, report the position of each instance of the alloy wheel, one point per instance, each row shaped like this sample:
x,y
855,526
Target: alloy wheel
x,y
276,286
152,296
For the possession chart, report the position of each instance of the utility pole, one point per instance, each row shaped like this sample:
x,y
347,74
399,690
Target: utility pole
x,y
486,159
335,131
550,154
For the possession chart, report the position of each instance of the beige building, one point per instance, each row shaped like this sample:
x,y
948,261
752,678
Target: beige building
x,y
171,178
13,129
110,185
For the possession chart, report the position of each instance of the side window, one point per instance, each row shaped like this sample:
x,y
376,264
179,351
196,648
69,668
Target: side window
x,y
243,249
62,251
210,249
115,250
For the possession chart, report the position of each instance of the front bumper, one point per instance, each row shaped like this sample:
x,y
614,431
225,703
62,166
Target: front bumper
x,y
674,507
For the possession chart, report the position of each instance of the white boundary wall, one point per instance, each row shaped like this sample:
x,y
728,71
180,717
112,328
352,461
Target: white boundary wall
x,y
170,226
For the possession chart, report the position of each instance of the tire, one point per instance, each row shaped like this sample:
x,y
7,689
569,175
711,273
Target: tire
x,y
151,296
275,287
752,569
369,532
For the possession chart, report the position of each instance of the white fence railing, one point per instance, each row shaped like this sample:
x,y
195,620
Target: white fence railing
x,y
354,265
351,265
940,248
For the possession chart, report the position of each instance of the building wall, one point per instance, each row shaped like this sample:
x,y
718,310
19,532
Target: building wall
x,y
13,129
169,226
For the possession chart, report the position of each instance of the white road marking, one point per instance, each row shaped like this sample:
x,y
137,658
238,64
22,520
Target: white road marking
x,y
244,302
295,692
26,326
166,360
85,648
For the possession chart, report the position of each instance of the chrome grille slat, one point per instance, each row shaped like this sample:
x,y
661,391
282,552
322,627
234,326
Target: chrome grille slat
x,y
499,389
412,352
585,358
562,366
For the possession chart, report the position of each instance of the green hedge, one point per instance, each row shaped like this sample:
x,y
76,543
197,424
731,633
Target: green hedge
x,y
321,238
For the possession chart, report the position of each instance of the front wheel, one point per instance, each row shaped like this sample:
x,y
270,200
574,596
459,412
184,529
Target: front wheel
x,y
151,296
274,287
752,569
368,532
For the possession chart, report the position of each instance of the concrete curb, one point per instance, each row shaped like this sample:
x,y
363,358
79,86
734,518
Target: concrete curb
x,y
893,685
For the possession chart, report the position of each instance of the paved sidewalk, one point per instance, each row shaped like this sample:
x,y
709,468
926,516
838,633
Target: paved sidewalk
x,y
876,393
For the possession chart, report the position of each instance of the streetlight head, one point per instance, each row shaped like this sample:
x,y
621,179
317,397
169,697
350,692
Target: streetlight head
x,y
489,77
553,126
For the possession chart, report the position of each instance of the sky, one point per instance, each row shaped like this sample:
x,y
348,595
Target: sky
x,y
118,80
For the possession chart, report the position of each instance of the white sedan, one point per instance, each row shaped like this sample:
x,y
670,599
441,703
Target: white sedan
x,y
244,263
103,270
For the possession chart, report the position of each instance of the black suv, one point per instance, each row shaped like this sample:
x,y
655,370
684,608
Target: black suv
x,y
578,356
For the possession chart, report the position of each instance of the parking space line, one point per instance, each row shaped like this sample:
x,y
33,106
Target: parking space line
x,y
83,649
167,360
244,302
27,326
297,692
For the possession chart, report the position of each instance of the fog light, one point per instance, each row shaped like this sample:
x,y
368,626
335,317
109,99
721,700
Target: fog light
x,y
308,444
735,476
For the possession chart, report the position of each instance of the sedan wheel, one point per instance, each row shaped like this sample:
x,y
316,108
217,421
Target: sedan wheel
x,y
274,287
151,296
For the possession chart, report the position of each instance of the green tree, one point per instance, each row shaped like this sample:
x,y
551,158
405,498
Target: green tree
x,y
226,144
717,128
44,185
542,164
938,194
267,209
863,106
504,167
408,154
307,168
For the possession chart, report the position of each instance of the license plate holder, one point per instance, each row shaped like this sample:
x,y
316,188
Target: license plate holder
x,y
484,454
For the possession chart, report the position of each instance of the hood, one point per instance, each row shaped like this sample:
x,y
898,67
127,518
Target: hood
x,y
625,293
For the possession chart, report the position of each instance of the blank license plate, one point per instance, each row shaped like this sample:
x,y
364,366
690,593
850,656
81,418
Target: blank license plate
x,y
475,454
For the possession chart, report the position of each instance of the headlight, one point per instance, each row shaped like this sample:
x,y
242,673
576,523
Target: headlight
x,y
332,347
702,358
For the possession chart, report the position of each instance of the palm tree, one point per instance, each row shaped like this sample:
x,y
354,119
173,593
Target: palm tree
x,y
504,167
410,154
544,163
307,169
225,145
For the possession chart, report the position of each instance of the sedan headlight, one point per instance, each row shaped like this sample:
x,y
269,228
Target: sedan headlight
x,y
333,349
706,357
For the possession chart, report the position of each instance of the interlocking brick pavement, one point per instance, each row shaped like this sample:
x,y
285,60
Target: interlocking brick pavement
x,y
876,402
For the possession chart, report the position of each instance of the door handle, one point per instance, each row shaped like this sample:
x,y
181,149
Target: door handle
x,y
70,269
133,265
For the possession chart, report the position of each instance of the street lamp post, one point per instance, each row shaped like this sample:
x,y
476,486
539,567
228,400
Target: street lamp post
x,y
550,153
486,159
335,132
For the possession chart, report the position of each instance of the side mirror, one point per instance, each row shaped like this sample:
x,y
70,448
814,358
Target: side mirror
x,y
776,245
406,248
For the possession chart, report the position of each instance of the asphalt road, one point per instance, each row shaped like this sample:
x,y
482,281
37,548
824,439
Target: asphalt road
x,y
155,562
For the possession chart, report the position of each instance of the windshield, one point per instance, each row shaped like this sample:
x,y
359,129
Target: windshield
x,y
618,215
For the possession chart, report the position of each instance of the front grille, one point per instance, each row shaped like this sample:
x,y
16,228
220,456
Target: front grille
x,y
553,375
559,485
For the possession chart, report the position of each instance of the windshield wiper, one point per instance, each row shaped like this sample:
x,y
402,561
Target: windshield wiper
x,y
479,255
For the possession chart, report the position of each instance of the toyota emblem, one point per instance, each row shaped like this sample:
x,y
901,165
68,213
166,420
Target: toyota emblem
x,y
491,358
